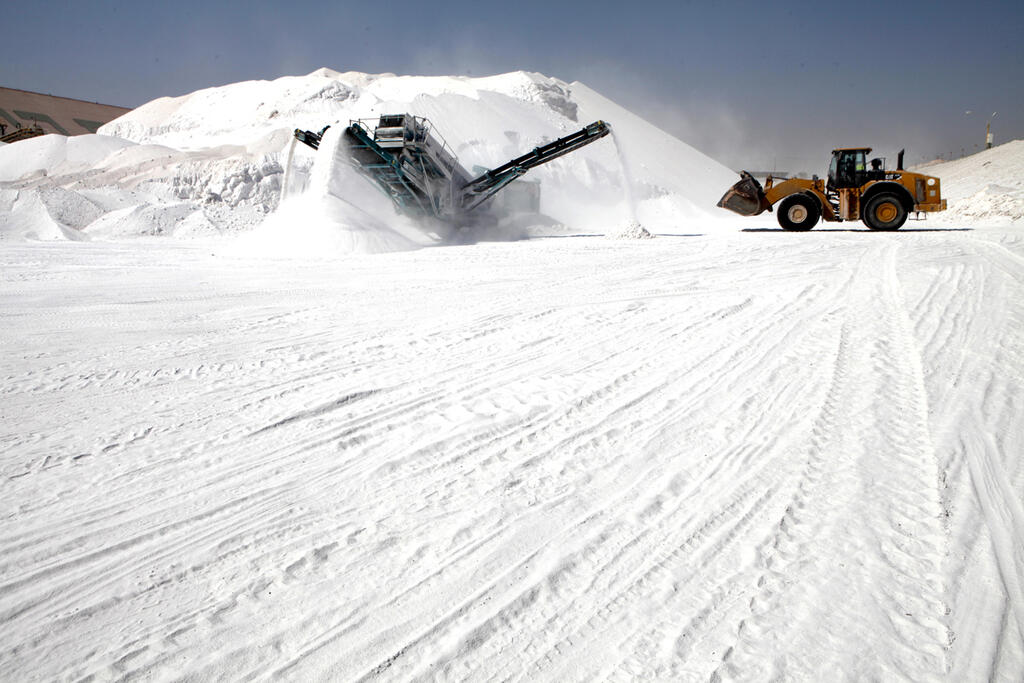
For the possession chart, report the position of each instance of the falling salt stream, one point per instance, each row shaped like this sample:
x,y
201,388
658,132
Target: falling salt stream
x,y
627,179
287,171
632,227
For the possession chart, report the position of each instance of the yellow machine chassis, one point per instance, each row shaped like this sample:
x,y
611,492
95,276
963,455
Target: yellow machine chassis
x,y
921,187
775,193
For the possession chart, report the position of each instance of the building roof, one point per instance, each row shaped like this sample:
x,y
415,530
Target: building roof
x,y
62,115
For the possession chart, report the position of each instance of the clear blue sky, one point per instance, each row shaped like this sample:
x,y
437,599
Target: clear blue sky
x,y
751,83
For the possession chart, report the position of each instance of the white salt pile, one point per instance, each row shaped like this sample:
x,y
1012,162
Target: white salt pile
x,y
631,231
212,163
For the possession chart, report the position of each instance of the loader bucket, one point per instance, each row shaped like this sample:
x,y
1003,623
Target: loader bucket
x,y
745,197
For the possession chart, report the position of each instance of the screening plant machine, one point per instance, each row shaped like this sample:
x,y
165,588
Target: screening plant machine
x,y
412,164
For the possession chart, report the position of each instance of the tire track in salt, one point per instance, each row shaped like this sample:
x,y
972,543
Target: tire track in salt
x,y
980,357
877,364
968,329
667,650
639,547
604,399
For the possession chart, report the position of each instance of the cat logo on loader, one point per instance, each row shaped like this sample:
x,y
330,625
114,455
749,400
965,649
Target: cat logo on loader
x,y
881,198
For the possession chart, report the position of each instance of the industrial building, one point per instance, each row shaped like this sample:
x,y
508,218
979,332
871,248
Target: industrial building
x,y
25,114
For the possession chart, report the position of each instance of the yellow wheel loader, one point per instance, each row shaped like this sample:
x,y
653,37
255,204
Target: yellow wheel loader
x,y
881,198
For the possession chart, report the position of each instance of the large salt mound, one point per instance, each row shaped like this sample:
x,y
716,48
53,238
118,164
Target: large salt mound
x,y
485,120
51,213
56,154
987,187
96,186
213,162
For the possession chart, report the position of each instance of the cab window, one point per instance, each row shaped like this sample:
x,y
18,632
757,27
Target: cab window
x,y
859,162
851,170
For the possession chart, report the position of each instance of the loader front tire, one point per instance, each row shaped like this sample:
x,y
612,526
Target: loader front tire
x,y
799,212
884,212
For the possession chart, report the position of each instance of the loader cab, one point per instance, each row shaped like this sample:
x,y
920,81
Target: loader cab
x,y
848,168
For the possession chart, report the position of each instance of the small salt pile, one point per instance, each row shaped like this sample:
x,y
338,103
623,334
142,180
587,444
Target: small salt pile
x,y
632,231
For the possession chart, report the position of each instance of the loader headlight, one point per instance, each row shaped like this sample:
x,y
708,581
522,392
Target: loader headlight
x,y
931,181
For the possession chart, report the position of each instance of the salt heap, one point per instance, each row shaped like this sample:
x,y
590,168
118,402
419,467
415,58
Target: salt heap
x,y
213,162
631,231
984,188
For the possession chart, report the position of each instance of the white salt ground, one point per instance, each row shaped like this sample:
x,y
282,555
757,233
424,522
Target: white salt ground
x,y
719,454
751,456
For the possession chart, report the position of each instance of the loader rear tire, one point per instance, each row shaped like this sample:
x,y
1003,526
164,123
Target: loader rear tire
x,y
884,212
799,212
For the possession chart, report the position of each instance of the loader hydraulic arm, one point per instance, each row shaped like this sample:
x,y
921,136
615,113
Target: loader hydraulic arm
x,y
479,189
